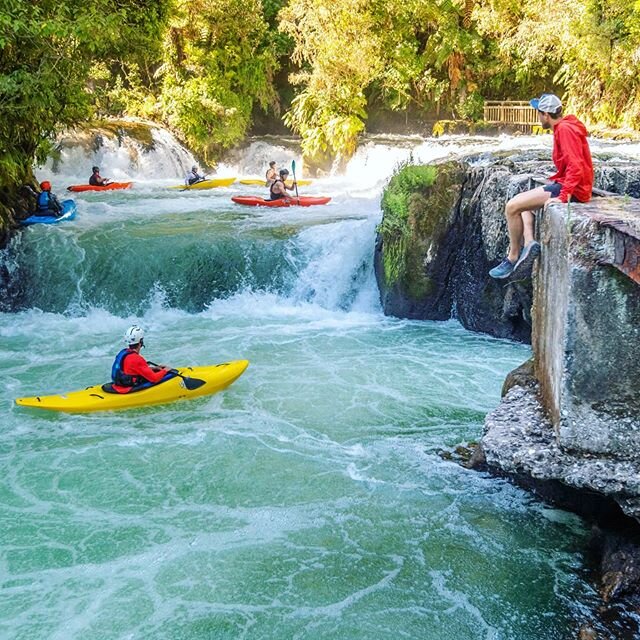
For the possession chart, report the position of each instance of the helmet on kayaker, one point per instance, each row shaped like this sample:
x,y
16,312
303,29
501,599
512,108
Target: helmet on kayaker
x,y
45,186
272,163
133,335
284,172
95,169
194,168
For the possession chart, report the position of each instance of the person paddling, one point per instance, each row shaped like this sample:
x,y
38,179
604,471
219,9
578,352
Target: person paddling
x,y
193,176
96,180
272,174
130,370
573,182
48,203
278,188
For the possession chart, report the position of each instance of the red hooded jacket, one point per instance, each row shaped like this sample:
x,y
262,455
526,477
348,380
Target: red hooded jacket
x,y
572,158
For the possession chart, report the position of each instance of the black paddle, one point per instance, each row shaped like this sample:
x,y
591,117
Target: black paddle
x,y
295,183
190,383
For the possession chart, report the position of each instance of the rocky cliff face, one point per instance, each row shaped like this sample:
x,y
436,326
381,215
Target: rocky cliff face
x,y
455,231
568,426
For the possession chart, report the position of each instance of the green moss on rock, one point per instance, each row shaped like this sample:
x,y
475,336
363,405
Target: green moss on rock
x,y
417,208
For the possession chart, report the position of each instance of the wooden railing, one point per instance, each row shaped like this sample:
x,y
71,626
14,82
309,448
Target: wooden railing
x,y
511,112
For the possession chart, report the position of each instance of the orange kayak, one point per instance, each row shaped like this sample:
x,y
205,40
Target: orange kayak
x,y
107,187
302,201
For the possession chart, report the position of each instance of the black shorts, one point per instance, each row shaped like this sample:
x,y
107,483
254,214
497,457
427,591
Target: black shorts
x,y
554,189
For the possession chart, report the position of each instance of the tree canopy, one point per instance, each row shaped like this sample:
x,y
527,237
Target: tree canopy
x,y
205,68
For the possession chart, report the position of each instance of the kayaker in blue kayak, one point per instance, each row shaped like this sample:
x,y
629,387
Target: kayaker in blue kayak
x,y
193,176
278,188
130,370
96,180
48,203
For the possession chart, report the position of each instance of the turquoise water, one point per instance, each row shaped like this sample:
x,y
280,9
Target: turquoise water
x,y
309,499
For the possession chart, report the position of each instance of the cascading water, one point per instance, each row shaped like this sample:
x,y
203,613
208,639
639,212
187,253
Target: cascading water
x,y
306,501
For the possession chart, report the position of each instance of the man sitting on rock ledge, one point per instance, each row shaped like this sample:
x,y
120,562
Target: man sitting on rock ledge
x,y
572,183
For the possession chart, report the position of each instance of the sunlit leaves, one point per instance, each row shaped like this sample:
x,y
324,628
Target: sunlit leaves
x,y
219,60
47,49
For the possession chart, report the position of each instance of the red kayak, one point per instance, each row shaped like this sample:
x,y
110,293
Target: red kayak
x,y
302,201
106,187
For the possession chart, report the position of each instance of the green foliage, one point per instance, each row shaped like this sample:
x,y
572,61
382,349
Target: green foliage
x,y
219,63
471,107
205,67
401,54
337,46
47,50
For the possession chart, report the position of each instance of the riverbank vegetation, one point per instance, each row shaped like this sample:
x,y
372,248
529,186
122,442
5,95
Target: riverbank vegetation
x,y
206,68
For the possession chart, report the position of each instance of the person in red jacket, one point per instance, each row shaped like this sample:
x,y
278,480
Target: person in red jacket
x,y
130,370
572,182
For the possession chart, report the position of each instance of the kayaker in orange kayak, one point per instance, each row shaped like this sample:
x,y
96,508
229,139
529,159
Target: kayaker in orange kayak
x,y
278,189
96,180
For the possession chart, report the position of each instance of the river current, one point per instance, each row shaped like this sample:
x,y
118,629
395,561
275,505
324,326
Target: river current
x,y
309,499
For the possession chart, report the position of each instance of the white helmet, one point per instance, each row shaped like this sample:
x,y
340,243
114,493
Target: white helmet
x,y
133,335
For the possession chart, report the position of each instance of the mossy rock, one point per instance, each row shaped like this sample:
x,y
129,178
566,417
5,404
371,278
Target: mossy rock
x,y
90,135
417,208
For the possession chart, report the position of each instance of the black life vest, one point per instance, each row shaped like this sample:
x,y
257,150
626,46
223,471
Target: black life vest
x,y
117,374
276,196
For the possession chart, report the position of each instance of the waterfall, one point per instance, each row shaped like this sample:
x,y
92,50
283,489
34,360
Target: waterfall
x,y
123,151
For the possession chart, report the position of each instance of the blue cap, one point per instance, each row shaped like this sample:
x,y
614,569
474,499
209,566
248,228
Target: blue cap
x,y
547,103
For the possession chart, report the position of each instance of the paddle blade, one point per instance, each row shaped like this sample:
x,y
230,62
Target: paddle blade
x,y
293,167
192,383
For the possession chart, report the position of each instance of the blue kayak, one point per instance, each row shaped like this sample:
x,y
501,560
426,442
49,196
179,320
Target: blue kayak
x,y
68,213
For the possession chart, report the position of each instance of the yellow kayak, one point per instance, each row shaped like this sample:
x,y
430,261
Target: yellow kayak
x,y
200,381
207,184
289,183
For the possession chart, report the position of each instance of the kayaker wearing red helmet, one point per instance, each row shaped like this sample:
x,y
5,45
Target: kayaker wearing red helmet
x,y
48,204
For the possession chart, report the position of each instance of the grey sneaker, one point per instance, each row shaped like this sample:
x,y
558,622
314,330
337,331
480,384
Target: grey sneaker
x,y
503,270
527,258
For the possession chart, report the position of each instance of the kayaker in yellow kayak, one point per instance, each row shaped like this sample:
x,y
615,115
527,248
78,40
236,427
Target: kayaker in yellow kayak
x,y
272,174
278,188
130,371
193,176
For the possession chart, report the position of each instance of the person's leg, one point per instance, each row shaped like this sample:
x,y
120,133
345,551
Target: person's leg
x,y
528,224
519,224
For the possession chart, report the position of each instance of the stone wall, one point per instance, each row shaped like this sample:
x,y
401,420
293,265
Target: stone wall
x,y
586,336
